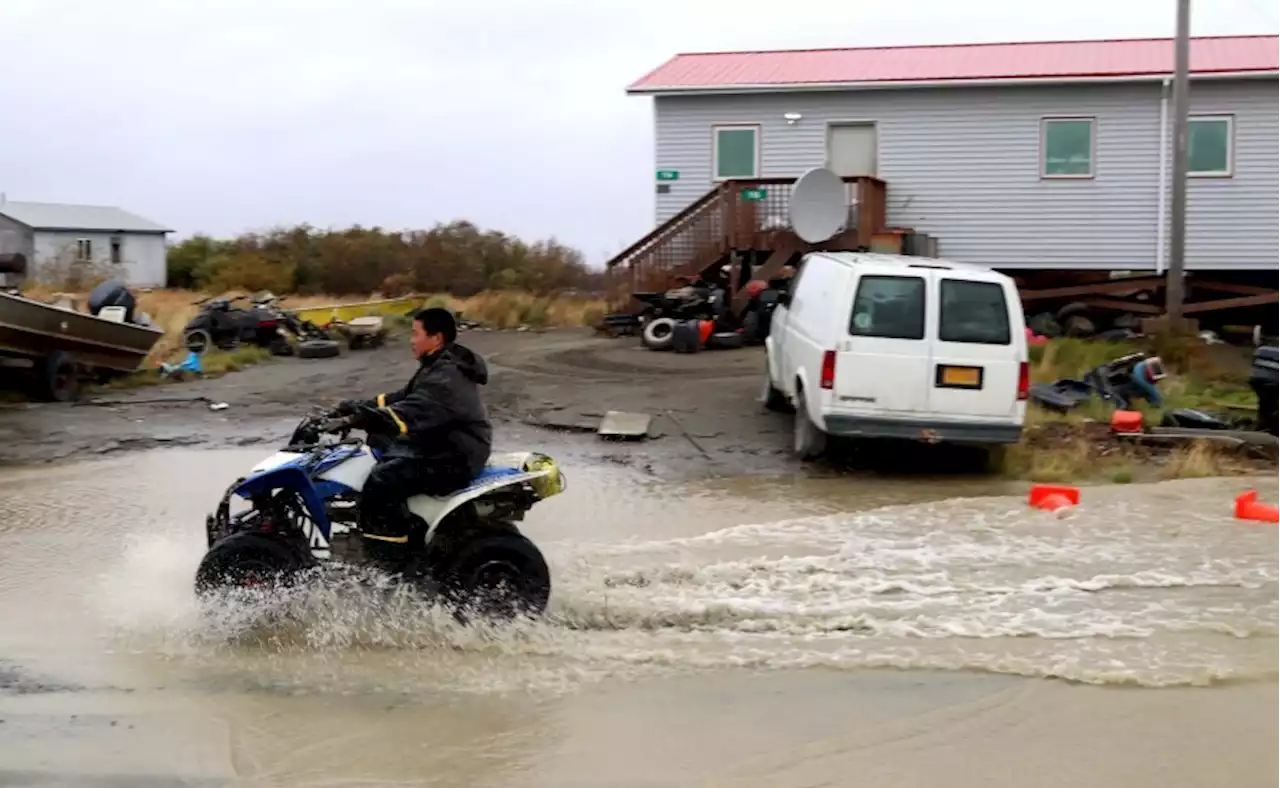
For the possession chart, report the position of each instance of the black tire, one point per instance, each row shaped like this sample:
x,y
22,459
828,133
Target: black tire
x,y
198,341
494,576
770,397
356,342
751,329
808,442
249,560
56,378
658,333
280,347
686,337
319,348
1079,326
725,340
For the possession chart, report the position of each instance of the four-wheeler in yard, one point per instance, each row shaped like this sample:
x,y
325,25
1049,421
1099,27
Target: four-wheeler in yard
x,y
304,512
53,346
265,324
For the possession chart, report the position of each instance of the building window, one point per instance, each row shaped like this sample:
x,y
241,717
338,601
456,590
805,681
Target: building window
x,y
1209,146
117,247
1066,148
736,151
84,250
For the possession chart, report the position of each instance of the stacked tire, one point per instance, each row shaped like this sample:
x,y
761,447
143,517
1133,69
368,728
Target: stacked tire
x,y
658,333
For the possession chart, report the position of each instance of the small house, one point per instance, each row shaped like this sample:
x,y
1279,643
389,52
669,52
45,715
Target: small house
x,y
52,235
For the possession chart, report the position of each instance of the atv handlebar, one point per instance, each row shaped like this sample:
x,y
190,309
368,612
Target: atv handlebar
x,y
331,425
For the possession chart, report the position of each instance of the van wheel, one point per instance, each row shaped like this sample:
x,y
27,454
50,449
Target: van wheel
x,y
809,442
770,397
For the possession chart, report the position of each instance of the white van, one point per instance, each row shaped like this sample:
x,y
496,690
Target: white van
x,y
889,346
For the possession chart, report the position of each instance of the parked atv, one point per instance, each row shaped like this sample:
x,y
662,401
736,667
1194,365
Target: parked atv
x,y
664,310
304,512
312,341
221,325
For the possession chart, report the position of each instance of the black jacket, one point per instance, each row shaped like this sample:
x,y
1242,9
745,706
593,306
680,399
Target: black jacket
x,y
441,418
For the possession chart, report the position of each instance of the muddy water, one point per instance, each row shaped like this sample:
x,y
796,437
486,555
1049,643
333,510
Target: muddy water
x,y
745,632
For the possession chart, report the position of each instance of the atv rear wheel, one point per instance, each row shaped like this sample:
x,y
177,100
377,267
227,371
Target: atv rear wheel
x,y
198,341
249,560
495,576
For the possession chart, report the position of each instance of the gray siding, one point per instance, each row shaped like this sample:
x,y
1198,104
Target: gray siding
x,y
14,238
142,254
963,164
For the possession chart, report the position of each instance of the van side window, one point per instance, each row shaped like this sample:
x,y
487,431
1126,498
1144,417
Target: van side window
x,y
891,307
974,313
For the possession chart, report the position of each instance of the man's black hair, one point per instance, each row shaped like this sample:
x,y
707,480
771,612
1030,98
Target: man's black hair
x,y
437,320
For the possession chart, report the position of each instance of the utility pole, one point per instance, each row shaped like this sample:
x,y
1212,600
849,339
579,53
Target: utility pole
x,y
1173,289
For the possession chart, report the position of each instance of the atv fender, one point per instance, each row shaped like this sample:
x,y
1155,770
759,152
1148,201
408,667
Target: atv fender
x,y
434,510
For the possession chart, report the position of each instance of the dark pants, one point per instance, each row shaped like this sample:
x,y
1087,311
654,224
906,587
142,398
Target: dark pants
x,y
387,523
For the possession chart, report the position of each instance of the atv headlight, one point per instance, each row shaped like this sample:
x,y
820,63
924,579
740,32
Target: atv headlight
x,y
553,483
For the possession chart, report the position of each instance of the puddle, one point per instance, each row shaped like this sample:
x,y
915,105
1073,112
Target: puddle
x,y
749,607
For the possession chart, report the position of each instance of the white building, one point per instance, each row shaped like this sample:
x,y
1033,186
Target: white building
x,y
49,234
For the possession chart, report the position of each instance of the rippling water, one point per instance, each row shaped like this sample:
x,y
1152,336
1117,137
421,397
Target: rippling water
x,y
1150,586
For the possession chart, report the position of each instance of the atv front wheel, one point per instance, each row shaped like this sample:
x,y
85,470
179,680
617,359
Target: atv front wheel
x,y
495,576
249,560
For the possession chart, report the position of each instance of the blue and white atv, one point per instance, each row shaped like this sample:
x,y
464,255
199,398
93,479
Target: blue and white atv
x,y
303,511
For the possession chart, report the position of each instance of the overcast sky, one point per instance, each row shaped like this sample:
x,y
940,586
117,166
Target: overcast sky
x,y
226,115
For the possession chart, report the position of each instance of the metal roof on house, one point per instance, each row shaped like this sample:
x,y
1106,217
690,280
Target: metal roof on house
x,y
957,63
59,216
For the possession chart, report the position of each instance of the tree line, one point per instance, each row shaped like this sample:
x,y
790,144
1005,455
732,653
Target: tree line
x,y
458,258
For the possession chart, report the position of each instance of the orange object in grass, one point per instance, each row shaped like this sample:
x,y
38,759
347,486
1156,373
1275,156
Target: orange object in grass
x,y
1126,421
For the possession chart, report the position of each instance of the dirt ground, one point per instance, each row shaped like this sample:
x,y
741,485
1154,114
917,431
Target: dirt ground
x,y
705,418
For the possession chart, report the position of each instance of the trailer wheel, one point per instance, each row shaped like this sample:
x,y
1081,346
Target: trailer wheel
x,y
56,377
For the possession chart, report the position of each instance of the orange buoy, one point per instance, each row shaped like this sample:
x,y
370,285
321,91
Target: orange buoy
x,y
1248,508
1052,498
1128,421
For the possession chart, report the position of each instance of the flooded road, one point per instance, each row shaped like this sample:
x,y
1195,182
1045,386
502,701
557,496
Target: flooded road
x,y
736,632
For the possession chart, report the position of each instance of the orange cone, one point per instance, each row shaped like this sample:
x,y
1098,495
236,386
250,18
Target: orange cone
x,y
1052,498
1248,508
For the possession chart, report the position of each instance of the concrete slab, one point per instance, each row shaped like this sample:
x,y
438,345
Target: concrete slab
x,y
619,424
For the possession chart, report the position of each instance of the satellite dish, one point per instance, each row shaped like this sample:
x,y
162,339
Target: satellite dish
x,y
818,207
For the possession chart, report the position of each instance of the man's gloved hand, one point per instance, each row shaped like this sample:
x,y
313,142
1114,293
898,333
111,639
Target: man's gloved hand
x,y
349,407
373,419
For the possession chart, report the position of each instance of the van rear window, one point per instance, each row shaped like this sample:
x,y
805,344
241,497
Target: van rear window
x,y
890,307
974,313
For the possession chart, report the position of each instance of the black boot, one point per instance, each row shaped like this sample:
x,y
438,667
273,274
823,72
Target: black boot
x,y
387,556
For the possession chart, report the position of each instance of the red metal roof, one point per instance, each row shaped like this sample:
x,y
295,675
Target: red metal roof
x,y
1084,60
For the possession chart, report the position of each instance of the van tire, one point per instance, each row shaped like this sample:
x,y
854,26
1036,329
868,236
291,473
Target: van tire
x,y
770,397
808,442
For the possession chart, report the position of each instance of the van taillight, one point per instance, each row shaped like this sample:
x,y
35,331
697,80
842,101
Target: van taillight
x,y
1024,380
829,369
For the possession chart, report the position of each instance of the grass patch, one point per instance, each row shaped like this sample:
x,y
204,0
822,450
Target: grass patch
x,y
1077,445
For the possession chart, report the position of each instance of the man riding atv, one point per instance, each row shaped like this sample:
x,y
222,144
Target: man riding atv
x,y
433,436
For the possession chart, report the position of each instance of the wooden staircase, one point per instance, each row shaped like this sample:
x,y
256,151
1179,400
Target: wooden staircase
x,y
736,217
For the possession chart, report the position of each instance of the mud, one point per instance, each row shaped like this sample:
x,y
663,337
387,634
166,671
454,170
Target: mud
x,y
706,418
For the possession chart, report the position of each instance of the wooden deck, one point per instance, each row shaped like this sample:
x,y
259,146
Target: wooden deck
x,y
737,217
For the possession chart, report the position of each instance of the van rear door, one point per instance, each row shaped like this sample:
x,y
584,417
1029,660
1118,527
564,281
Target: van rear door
x,y
882,356
978,348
